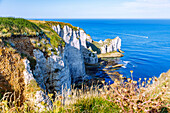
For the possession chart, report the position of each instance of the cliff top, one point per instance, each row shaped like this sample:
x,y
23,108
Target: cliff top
x,y
20,27
51,23
17,26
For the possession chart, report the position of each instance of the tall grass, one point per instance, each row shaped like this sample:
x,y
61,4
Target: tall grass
x,y
121,96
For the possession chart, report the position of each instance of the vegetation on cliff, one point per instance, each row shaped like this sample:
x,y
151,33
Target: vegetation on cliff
x,y
46,27
17,26
62,24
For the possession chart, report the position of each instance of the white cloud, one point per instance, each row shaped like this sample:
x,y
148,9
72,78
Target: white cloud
x,y
149,3
146,9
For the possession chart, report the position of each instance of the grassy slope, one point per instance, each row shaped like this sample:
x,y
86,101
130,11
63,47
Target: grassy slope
x,y
17,26
46,27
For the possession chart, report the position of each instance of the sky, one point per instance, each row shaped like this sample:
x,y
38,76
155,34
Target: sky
x,y
116,9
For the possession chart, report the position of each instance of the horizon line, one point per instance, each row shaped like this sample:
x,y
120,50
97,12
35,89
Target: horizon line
x,y
87,18
104,18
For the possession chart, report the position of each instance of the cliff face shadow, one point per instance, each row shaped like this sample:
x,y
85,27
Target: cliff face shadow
x,y
4,86
94,48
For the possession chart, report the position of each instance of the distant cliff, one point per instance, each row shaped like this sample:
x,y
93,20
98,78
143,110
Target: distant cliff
x,y
106,48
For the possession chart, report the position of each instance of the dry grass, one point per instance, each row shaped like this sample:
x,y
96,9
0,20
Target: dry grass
x,y
121,96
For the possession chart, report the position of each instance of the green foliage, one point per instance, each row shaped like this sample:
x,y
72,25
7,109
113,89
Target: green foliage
x,y
55,39
95,105
62,24
17,26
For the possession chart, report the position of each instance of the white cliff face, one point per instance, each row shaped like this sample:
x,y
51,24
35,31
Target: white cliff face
x,y
51,73
89,39
83,38
89,57
113,45
56,28
28,76
101,41
40,96
104,49
40,71
74,50
59,75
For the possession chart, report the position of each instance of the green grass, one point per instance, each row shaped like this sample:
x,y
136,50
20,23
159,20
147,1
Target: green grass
x,y
17,26
94,105
62,24
55,39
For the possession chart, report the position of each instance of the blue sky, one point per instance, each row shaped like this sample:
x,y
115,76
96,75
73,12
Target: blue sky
x,y
86,8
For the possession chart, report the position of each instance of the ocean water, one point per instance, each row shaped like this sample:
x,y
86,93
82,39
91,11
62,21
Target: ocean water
x,y
146,43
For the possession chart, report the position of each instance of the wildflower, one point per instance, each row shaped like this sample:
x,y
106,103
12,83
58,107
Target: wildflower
x,y
135,82
50,95
69,96
121,76
99,90
79,90
103,81
131,74
131,71
125,90
143,83
43,103
150,79
128,79
145,78
139,79
125,104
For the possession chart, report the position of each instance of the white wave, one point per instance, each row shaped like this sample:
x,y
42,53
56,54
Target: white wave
x,y
133,35
125,63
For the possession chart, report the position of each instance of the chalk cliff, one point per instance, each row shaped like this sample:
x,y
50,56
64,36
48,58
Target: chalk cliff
x,y
106,48
75,50
110,45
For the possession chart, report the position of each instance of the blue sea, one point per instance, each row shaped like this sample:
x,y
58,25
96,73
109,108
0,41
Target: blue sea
x,y
146,42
